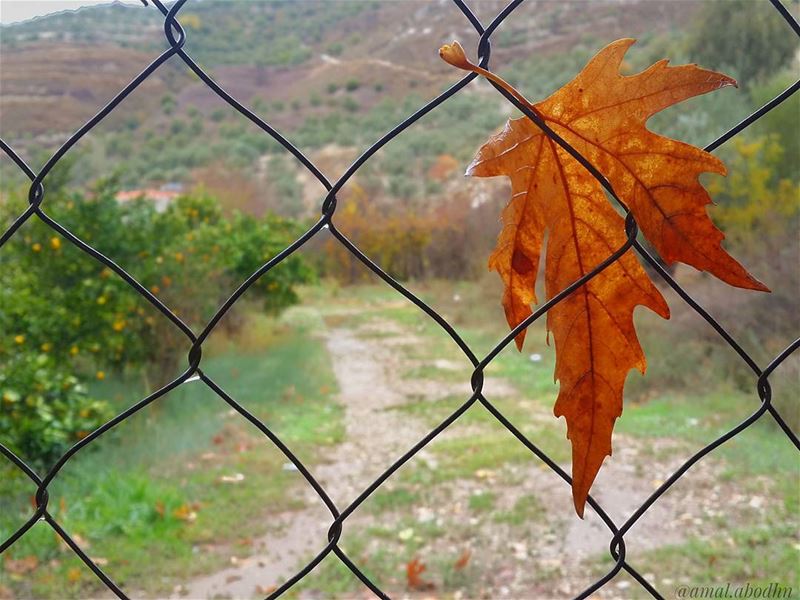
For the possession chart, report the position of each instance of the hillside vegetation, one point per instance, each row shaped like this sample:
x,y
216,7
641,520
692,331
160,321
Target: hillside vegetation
x,y
324,73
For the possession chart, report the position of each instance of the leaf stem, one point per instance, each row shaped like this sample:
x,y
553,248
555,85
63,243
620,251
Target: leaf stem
x,y
454,55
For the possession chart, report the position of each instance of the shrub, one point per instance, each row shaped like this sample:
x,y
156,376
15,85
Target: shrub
x,y
754,38
189,255
443,241
350,105
45,409
167,104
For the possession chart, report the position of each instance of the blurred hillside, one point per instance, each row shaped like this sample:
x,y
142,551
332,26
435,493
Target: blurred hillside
x,y
333,76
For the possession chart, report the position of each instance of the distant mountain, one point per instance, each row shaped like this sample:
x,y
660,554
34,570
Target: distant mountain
x,y
328,73
70,63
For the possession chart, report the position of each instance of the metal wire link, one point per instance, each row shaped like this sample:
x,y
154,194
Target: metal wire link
x,y
176,38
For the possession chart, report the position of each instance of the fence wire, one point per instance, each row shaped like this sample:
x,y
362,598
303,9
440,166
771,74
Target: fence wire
x,y
176,38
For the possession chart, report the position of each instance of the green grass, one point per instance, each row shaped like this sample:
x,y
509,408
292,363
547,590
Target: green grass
x,y
149,498
383,500
467,457
481,503
435,373
385,561
699,419
527,509
759,461
337,581
756,555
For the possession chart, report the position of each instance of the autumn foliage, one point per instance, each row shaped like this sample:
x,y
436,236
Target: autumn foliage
x,y
602,114
414,570
440,240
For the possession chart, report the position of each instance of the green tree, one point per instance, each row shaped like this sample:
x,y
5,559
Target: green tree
x,y
746,37
781,122
43,408
65,314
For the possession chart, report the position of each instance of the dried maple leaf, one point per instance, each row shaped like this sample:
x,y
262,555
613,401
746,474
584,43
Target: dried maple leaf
x,y
602,114
463,560
414,570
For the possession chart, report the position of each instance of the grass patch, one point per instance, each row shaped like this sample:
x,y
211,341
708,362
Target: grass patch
x,y
526,509
432,372
335,580
150,498
390,500
435,411
481,503
465,457
759,450
385,563
758,556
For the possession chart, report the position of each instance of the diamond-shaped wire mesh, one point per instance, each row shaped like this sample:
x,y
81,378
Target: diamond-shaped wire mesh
x,y
176,38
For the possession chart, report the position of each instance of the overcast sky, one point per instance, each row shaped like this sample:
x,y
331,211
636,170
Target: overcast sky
x,y
12,11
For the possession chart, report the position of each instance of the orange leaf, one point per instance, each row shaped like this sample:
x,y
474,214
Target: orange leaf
x,y
185,513
262,590
414,570
602,114
462,560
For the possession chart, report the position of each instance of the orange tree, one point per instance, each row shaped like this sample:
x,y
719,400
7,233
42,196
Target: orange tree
x,y
66,317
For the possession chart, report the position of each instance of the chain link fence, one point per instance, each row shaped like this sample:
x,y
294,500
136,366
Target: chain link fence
x,y
176,38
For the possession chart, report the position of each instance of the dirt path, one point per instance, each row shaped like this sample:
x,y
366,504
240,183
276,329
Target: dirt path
x,y
544,554
367,375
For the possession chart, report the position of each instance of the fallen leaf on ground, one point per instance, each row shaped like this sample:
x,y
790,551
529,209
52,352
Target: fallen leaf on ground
x,y
414,570
185,513
602,114
21,566
484,474
463,560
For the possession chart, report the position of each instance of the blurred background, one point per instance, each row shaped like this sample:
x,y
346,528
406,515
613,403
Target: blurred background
x,y
186,498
